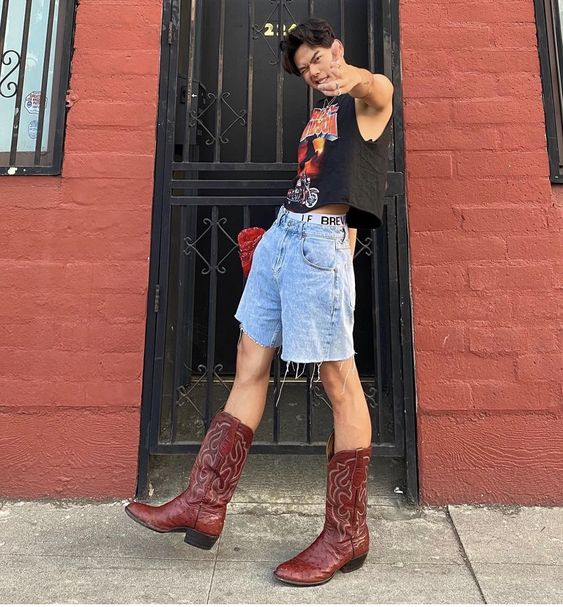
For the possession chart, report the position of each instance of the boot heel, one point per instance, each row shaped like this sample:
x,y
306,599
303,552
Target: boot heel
x,y
200,540
354,564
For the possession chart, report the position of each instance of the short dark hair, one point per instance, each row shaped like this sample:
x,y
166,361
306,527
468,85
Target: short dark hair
x,y
314,32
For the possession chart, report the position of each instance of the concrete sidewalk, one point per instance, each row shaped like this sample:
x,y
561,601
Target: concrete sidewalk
x,y
78,552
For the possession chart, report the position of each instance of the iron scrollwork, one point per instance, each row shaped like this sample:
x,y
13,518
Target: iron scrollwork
x,y
191,245
10,87
321,397
259,31
183,392
209,100
363,246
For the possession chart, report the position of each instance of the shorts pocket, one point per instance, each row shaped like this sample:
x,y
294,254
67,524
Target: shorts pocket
x,y
319,252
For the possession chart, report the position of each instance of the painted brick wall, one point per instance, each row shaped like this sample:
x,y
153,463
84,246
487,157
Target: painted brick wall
x,y
485,237
74,266
484,233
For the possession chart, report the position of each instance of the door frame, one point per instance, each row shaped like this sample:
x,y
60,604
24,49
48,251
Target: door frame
x,y
163,163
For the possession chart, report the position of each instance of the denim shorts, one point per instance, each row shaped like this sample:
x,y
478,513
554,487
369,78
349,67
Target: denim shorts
x,y
300,293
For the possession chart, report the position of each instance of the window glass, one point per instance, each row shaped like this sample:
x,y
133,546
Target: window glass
x,y
30,81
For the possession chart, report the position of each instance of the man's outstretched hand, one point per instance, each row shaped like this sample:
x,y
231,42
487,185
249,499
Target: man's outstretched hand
x,y
342,77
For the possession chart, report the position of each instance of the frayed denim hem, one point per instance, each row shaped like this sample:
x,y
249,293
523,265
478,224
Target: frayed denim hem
x,y
317,366
243,330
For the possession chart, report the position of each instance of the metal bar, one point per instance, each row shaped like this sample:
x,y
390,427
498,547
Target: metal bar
x,y
190,288
3,23
395,328
371,35
395,180
234,166
21,76
309,404
63,60
277,386
317,448
221,65
31,170
190,78
212,316
375,311
310,101
279,90
224,184
392,189
250,82
151,365
44,81
386,52
342,31
407,363
227,200
551,101
556,16
179,338
170,84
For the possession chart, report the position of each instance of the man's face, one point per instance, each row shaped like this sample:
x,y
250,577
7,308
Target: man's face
x,y
313,62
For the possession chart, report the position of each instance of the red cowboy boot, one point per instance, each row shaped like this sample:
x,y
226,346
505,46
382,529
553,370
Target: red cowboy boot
x,y
344,541
200,510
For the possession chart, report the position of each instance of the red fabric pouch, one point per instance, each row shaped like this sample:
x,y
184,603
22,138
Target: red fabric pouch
x,y
248,239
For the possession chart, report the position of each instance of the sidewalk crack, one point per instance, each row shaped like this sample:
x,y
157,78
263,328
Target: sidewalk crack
x,y
464,555
214,567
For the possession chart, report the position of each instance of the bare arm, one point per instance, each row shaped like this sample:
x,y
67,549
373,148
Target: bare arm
x,y
375,90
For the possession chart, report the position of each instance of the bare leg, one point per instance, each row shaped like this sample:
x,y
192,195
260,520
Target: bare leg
x,y
352,422
248,394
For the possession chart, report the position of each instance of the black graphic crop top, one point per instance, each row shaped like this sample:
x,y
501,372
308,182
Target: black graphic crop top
x,y
337,165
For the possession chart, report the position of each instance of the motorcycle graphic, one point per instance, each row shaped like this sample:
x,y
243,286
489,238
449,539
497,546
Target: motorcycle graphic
x,y
303,193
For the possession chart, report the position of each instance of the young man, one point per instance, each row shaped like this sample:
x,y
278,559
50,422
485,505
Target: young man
x,y
300,296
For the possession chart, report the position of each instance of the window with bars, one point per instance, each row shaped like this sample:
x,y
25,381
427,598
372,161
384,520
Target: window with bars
x,y
35,50
549,18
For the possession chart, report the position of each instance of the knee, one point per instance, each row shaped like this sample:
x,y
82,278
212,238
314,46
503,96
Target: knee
x,y
253,361
337,378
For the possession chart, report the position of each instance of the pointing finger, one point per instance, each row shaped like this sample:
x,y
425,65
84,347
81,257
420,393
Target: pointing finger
x,y
335,51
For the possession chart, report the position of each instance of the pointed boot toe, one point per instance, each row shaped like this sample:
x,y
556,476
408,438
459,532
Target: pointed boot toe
x,y
300,574
143,514
285,573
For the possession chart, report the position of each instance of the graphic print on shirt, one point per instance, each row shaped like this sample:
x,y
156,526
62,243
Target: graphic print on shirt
x,y
322,127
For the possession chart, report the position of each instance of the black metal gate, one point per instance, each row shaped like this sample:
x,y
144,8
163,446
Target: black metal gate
x,y
229,123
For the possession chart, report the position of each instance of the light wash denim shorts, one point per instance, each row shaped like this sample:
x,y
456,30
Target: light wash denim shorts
x,y
300,293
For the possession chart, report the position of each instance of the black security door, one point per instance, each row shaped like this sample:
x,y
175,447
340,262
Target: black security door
x,y
229,123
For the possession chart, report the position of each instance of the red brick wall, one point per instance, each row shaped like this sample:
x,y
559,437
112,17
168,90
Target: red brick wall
x,y
484,223
485,237
74,266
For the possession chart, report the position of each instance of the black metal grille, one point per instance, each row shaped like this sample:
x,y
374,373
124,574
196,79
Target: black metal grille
x,y
35,49
230,120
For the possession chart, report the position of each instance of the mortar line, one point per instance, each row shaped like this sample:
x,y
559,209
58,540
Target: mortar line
x,y
464,555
